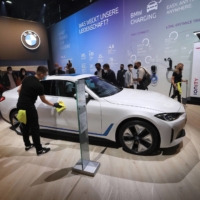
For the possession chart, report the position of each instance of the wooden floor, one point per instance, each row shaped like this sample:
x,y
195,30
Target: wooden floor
x,y
173,174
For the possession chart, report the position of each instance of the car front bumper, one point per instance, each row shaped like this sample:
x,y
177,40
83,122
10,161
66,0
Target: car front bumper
x,y
172,133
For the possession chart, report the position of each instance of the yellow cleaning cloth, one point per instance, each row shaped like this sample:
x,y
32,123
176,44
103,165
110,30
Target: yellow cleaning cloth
x,y
21,116
179,87
62,108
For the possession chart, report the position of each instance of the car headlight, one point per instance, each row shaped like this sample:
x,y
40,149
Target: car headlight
x,y
168,116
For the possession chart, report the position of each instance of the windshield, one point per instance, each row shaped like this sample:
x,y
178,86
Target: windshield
x,y
100,87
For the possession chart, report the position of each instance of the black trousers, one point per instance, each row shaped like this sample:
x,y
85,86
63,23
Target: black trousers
x,y
176,93
140,87
121,83
31,127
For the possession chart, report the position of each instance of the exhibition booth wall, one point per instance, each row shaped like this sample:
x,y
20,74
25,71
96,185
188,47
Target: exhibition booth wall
x,y
124,31
22,44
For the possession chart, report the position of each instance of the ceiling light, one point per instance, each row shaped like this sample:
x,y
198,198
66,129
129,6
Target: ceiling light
x,y
44,5
10,2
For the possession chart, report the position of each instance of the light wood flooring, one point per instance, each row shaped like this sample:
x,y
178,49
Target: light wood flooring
x,y
172,174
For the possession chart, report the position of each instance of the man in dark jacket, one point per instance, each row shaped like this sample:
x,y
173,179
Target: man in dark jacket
x,y
9,79
57,70
109,75
121,75
100,71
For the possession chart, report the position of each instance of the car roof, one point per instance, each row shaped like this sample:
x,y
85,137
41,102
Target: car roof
x,y
69,77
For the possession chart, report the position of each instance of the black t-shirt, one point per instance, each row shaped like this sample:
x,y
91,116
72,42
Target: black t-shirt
x,y
30,90
177,77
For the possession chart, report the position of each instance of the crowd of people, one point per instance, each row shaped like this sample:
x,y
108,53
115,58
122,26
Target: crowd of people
x,y
124,77
68,69
11,79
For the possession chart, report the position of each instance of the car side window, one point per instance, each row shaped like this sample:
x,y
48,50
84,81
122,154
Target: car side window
x,y
47,86
65,88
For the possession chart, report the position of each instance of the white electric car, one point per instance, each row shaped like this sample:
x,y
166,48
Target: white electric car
x,y
140,121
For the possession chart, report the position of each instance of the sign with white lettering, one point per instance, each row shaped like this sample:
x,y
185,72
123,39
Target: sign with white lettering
x,y
195,88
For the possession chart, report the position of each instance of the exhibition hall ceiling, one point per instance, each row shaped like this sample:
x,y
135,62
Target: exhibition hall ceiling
x,y
46,11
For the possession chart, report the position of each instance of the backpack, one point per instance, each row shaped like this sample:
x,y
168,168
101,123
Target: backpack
x,y
146,79
72,70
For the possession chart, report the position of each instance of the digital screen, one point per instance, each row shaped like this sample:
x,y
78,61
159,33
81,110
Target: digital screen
x,y
124,31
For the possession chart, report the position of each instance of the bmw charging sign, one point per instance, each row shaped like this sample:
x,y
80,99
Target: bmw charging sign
x,y
30,39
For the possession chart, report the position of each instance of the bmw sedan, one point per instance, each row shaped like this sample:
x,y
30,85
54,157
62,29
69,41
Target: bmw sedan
x,y
141,121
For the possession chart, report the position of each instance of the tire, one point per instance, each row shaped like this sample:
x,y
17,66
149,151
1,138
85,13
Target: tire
x,y
16,125
138,137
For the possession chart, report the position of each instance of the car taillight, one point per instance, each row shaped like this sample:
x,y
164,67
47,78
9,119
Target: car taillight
x,y
2,98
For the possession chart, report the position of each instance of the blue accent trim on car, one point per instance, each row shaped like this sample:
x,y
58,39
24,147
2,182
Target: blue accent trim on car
x,y
105,133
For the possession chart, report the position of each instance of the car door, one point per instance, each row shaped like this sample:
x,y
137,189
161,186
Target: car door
x,y
46,113
67,120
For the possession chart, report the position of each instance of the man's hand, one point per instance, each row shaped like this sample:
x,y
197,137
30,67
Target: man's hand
x,y
19,89
57,105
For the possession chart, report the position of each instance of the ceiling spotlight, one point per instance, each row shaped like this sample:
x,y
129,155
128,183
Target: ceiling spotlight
x,y
3,2
197,33
10,2
44,5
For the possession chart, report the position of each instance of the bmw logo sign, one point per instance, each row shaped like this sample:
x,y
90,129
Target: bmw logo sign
x,y
30,39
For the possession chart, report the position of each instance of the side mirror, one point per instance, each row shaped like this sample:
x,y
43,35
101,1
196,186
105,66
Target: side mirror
x,y
86,95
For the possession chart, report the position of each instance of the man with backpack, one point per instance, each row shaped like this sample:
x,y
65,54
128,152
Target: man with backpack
x,y
143,77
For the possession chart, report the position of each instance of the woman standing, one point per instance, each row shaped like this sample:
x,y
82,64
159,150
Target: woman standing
x,y
22,74
176,81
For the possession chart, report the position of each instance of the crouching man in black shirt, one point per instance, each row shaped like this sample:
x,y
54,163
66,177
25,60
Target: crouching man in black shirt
x,y
29,90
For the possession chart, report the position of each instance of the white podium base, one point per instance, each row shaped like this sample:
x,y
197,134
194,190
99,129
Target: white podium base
x,y
90,169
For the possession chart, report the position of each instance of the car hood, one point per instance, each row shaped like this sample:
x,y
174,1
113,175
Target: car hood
x,y
145,99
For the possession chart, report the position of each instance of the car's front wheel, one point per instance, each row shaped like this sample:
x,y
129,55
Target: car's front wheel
x,y
138,137
16,125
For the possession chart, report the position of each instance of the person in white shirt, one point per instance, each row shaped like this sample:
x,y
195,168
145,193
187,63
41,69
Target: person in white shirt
x,y
140,75
129,77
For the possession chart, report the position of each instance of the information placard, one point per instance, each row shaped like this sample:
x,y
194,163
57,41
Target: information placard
x,y
84,165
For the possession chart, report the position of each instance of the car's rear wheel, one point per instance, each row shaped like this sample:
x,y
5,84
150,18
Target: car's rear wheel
x,y
16,125
138,137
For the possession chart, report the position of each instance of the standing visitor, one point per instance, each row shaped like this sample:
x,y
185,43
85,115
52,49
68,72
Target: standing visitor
x,y
129,77
121,76
109,74
176,81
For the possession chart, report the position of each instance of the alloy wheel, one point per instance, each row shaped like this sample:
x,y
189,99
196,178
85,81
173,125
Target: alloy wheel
x,y
137,138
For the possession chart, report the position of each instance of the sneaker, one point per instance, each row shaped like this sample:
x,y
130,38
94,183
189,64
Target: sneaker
x,y
29,147
43,151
